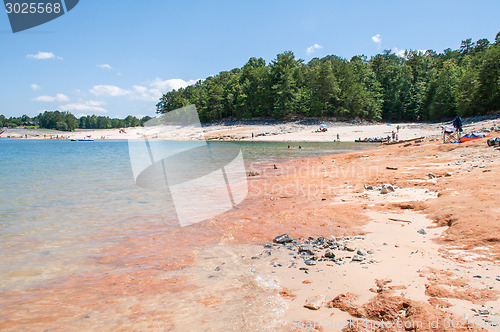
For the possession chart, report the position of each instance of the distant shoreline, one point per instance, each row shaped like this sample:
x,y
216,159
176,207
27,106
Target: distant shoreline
x,y
297,131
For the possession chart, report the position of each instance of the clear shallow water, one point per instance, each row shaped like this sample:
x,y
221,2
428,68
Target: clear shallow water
x,y
62,201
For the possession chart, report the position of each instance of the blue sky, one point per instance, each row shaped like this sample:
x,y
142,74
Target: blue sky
x,y
115,57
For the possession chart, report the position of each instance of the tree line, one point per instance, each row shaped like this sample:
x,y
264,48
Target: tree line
x,y
417,86
66,121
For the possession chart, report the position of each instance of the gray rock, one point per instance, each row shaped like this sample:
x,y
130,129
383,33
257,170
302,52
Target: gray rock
x,y
384,191
310,262
306,249
389,187
361,252
315,302
431,176
329,253
358,258
422,231
285,238
483,311
349,247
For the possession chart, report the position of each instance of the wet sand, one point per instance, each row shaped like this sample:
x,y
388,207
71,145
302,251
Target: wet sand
x,y
229,279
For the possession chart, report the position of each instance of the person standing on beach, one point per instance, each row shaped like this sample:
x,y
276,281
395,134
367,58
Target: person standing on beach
x,y
338,137
397,128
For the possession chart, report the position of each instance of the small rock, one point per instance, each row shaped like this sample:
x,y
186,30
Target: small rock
x,y
349,247
306,249
384,191
310,262
358,258
329,254
361,252
389,187
498,278
285,238
315,302
431,176
422,231
368,187
448,174
483,311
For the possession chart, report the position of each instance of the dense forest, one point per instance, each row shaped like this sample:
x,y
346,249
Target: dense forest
x,y
66,121
417,86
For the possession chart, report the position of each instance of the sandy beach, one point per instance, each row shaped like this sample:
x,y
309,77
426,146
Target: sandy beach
x,y
298,131
406,235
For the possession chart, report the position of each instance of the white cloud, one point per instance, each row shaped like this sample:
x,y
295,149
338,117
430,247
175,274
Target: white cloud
x,y
88,106
150,92
35,87
398,52
158,87
401,53
377,39
105,66
108,91
58,97
43,56
312,49
172,84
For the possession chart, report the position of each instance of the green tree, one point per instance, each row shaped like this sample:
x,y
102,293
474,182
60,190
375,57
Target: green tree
x,y
444,103
283,83
489,81
61,126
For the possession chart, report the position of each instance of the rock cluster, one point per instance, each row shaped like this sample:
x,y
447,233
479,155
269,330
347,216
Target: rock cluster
x,y
312,250
382,188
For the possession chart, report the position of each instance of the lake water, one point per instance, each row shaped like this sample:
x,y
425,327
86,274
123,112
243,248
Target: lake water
x,y
62,202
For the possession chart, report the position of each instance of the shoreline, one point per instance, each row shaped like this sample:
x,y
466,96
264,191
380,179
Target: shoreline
x,y
279,131
337,196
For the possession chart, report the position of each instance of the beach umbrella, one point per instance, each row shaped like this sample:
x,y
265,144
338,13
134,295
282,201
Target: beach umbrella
x,y
323,126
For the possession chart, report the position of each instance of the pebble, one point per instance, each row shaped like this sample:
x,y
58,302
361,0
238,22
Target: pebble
x,y
483,311
358,258
329,253
422,231
285,238
315,302
361,252
498,278
448,174
389,187
306,249
348,247
310,262
431,176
